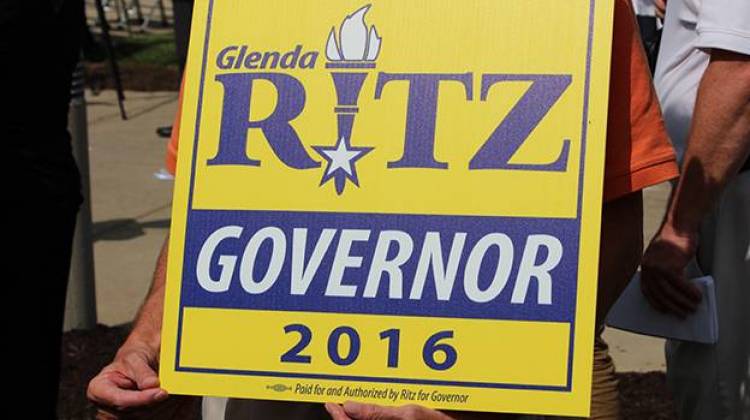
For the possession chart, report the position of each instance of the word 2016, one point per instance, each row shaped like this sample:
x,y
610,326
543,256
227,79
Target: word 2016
x,y
437,352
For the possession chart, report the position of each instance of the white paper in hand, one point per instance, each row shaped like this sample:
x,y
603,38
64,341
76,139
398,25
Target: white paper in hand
x,y
633,313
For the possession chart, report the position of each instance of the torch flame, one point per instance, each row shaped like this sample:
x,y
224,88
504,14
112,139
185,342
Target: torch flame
x,y
356,41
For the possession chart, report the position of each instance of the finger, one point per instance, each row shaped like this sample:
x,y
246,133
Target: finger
x,y
677,290
360,411
104,391
141,372
105,415
647,289
666,296
119,379
336,411
688,290
676,298
652,285
669,292
413,411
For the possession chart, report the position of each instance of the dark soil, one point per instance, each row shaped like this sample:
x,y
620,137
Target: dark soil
x,y
143,77
645,396
84,353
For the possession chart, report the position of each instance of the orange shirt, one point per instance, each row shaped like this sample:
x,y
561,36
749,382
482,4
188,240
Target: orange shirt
x,y
175,138
638,153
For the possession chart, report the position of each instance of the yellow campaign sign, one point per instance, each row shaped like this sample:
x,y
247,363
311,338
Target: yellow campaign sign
x,y
393,202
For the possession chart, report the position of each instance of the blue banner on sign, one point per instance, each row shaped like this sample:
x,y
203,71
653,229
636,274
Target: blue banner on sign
x,y
417,265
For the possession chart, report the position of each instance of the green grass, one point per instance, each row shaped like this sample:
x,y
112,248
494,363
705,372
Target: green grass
x,y
154,49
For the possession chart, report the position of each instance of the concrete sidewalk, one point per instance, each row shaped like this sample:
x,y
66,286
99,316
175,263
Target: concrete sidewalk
x,y
131,212
130,206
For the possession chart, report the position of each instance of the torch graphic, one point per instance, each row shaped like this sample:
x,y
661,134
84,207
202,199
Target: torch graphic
x,y
349,59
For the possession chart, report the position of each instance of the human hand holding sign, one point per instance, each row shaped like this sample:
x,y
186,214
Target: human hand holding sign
x,y
128,382
351,410
129,387
358,411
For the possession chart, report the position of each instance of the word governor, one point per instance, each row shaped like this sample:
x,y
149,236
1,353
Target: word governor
x,y
363,263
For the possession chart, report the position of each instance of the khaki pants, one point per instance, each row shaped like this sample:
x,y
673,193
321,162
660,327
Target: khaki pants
x,y
605,399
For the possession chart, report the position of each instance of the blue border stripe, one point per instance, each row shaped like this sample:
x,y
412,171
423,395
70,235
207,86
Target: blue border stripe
x,y
582,167
192,164
376,379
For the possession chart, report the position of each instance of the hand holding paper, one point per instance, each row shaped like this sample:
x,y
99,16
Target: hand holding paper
x,y
632,312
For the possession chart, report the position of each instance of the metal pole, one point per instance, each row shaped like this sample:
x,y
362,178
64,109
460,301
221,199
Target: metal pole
x,y
112,58
126,17
80,307
117,9
163,14
138,11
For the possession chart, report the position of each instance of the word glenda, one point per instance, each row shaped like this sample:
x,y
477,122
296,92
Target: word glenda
x,y
234,57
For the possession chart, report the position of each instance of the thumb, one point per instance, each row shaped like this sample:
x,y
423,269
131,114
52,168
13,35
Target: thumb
x,y
141,371
336,411
360,411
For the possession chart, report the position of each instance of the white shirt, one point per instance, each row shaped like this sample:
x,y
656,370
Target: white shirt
x,y
691,29
644,7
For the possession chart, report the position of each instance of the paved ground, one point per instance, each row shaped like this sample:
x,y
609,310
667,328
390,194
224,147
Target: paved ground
x,y
131,212
130,206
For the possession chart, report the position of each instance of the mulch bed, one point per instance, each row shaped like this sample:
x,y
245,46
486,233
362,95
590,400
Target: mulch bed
x,y
134,76
645,396
84,353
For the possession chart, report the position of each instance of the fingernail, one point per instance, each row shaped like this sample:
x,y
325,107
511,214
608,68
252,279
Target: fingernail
x,y
160,395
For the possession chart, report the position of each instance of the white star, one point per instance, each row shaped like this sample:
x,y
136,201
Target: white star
x,y
341,157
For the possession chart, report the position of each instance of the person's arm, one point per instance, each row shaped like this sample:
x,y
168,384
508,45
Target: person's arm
x,y
131,381
718,145
620,249
660,7
147,325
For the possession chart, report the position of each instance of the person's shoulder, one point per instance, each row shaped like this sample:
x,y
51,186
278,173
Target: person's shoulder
x,y
724,25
